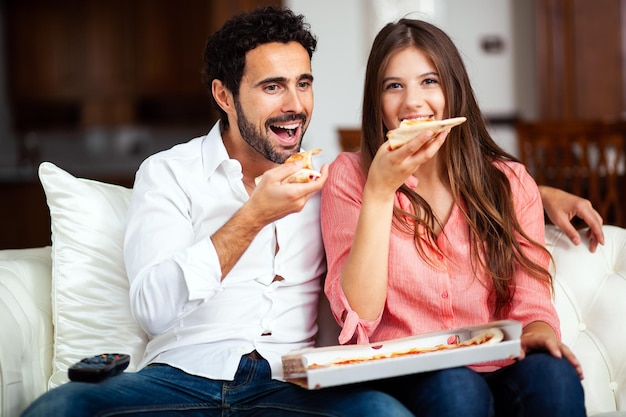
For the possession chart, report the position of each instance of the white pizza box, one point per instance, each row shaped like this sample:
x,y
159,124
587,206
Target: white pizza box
x,y
311,367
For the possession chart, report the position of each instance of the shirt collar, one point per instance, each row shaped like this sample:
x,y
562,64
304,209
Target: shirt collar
x,y
214,152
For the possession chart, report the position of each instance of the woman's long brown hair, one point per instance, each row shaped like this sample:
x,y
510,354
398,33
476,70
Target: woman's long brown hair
x,y
480,189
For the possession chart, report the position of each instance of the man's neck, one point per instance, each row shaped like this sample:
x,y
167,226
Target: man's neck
x,y
252,163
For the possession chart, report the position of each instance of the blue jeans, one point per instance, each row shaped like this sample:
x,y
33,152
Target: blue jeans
x,y
163,391
537,386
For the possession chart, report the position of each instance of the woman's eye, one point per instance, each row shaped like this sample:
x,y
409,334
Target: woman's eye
x,y
431,81
392,86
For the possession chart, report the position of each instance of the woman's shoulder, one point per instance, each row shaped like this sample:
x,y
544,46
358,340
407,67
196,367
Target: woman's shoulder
x,y
347,159
346,167
346,162
518,175
512,168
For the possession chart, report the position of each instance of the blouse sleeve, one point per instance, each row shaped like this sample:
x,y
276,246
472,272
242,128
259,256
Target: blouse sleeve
x,y
532,300
341,203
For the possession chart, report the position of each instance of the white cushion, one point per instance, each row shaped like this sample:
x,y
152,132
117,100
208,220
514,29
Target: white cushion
x,y
90,304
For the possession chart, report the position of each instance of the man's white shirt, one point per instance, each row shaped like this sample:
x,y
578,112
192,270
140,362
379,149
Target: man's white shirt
x,y
196,321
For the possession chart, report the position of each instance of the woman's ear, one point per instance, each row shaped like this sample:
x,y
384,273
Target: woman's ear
x,y
222,96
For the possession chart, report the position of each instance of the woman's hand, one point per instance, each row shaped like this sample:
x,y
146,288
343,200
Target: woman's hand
x,y
391,168
540,336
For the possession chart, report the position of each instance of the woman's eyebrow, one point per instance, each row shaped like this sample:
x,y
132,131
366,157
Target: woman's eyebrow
x,y
426,74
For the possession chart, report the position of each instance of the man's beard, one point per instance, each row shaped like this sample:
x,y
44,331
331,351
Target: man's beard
x,y
259,141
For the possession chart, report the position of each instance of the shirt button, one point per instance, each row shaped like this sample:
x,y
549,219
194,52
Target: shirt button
x,y
444,294
582,327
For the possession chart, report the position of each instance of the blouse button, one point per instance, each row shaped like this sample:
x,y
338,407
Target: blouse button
x,y
444,294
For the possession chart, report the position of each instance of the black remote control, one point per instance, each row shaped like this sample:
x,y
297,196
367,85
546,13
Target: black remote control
x,y
99,367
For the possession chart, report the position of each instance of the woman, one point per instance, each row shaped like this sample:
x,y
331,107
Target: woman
x,y
443,232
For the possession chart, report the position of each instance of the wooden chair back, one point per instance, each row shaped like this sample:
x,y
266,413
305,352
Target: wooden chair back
x,y
584,158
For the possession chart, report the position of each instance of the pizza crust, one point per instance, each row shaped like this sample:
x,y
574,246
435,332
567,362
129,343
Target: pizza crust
x,y
303,175
488,337
304,157
410,128
307,173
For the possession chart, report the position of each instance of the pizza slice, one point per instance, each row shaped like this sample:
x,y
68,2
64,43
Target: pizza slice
x,y
410,128
307,173
489,336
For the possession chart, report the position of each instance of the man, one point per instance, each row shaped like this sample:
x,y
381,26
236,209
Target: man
x,y
225,274
224,258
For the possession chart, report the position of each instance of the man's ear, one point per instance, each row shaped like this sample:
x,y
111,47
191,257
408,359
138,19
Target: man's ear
x,y
223,97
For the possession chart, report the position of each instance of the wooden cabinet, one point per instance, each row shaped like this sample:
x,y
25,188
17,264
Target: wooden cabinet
x,y
165,65
581,59
76,63
108,61
73,64
44,53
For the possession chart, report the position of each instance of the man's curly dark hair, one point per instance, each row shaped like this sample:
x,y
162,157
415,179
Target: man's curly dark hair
x,y
225,51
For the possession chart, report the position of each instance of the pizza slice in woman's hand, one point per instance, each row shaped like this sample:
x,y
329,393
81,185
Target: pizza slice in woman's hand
x,y
410,128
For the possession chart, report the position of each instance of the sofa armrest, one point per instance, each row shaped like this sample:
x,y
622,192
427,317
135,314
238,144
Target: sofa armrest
x,y
26,332
590,298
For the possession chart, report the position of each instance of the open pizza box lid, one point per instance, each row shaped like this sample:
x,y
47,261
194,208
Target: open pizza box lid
x,y
314,368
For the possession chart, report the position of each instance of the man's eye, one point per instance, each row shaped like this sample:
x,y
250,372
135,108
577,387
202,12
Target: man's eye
x,y
304,84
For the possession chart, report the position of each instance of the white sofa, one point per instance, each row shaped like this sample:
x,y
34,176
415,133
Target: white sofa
x,y
52,315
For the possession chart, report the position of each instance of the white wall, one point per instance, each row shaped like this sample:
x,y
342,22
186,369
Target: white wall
x,y
503,82
338,69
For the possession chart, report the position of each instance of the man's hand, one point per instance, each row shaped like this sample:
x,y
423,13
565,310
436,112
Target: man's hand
x,y
561,207
273,199
269,201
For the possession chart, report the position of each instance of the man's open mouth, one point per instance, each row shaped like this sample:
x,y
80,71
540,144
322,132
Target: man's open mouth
x,y
285,132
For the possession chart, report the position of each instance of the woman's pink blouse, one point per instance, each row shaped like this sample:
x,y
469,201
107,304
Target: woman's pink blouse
x,y
423,298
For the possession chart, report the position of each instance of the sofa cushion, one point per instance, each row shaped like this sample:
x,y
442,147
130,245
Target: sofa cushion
x,y
90,304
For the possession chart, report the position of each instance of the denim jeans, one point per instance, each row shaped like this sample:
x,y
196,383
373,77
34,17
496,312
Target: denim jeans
x,y
538,386
163,391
